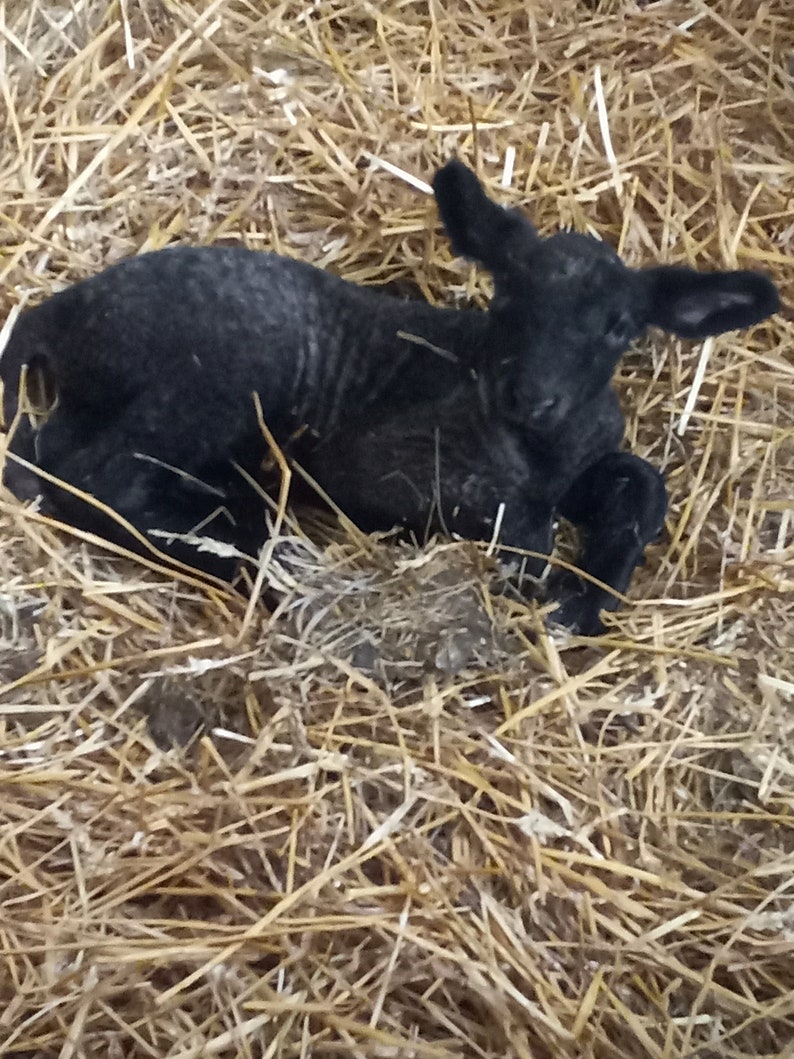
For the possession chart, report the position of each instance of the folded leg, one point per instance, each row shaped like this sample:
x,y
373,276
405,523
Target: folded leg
x,y
443,466
619,503
162,498
23,483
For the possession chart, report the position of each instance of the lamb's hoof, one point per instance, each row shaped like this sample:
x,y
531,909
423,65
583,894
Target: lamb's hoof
x,y
578,616
578,607
24,484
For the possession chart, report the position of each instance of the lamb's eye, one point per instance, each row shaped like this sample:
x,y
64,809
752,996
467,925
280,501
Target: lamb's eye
x,y
619,327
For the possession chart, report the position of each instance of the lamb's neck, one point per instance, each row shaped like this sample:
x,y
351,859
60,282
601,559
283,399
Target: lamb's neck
x,y
434,344
381,350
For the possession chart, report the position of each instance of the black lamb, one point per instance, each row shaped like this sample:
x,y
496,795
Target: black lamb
x,y
400,408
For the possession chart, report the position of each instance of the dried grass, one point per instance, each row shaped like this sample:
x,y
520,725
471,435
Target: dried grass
x,y
404,820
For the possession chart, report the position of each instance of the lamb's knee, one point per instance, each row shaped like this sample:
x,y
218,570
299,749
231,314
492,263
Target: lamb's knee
x,y
621,491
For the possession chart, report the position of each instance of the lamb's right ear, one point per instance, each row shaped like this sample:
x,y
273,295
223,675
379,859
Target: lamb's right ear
x,y
477,227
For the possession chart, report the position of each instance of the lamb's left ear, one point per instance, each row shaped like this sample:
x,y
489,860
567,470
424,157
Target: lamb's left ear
x,y
696,304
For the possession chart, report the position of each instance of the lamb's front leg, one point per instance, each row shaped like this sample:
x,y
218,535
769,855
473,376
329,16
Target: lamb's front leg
x,y
619,504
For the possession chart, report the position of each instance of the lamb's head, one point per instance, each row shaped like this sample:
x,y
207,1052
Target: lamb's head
x,y
566,307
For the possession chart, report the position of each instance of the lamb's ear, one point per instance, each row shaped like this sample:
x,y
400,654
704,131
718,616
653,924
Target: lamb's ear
x,y
696,304
477,227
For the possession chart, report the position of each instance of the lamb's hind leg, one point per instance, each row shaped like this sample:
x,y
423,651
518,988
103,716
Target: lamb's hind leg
x,y
619,503
110,464
23,483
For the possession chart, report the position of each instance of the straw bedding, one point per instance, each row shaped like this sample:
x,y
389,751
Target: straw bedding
x,y
394,817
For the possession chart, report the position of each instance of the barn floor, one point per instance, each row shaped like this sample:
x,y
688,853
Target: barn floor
x,y
395,817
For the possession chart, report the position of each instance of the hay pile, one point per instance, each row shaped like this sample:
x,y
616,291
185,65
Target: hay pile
x,y
396,818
